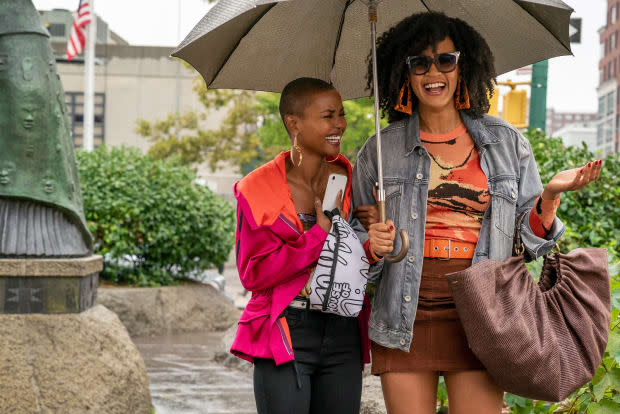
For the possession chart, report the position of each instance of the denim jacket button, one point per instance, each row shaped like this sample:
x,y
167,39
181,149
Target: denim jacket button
x,y
420,151
414,215
411,259
407,298
402,342
419,176
513,195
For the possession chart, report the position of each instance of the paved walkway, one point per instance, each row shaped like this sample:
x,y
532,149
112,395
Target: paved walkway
x,y
184,380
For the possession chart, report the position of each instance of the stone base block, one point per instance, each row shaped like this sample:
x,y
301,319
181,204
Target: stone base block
x,y
75,363
49,286
170,310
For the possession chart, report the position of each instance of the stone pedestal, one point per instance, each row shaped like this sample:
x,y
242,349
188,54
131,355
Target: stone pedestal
x,y
49,286
74,363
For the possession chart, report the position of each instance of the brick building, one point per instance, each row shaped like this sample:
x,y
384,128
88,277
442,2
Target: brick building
x,y
559,120
608,90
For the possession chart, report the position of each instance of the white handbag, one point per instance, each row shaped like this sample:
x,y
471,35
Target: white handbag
x,y
339,282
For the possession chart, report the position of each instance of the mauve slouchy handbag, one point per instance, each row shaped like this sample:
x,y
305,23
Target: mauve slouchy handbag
x,y
539,340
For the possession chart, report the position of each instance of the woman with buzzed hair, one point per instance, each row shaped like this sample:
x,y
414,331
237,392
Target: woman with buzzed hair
x,y
305,361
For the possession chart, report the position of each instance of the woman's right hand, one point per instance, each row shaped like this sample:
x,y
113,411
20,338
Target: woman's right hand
x,y
321,219
381,236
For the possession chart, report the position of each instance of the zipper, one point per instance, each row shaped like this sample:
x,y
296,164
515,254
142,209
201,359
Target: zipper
x,y
287,346
288,223
239,233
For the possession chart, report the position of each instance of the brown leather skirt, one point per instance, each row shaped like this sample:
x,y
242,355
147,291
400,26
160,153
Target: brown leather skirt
x,y
439,342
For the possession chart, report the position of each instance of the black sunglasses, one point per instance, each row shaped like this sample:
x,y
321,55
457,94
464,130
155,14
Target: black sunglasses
x,y
444,62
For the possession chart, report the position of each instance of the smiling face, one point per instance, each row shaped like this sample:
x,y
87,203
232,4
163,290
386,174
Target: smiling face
x,y
320,128
435,90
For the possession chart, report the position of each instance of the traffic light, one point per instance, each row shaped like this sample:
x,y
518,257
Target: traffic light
x,y
515,108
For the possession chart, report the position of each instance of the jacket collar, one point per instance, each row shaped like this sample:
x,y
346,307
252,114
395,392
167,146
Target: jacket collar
x,y
477,128
268,196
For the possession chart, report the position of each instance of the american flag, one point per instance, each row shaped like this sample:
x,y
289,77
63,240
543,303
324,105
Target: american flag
x,y
77,39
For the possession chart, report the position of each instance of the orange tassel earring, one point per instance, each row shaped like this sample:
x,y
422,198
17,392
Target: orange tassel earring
x,y
407,106
461,101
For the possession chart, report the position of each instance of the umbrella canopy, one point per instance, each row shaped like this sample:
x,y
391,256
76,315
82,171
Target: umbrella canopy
x,y
262,45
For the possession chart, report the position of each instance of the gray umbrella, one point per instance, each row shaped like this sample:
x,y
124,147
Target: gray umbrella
x,y
264,44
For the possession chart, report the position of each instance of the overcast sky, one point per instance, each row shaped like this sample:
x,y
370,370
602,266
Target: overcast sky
x,y
572,79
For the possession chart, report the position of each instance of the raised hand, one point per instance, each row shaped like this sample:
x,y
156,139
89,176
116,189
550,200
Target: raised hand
x,y
574,179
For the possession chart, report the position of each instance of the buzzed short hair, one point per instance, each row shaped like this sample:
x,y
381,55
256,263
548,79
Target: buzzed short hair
x,y
296,95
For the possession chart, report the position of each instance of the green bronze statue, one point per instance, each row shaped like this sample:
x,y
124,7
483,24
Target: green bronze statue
x,y
41,212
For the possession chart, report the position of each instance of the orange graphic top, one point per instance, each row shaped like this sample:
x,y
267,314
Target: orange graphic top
x,y
458,192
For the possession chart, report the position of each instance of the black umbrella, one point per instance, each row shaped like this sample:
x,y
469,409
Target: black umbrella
x,y
263,45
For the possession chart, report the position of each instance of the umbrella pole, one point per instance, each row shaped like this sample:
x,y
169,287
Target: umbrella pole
x,y
372,18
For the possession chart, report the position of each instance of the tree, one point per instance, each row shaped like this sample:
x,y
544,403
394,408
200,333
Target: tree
x,y
251,133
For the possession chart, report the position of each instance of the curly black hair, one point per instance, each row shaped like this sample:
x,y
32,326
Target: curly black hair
x,y
414,34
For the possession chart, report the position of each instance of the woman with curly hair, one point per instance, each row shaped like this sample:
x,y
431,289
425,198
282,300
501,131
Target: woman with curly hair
x,y
456,179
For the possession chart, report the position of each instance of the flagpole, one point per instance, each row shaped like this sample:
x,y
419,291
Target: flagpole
x,y
89,81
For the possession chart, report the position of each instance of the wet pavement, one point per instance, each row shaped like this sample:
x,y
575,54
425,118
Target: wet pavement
x,y
184,379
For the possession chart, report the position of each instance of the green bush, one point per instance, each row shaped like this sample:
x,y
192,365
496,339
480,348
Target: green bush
x,y
149,219
592,214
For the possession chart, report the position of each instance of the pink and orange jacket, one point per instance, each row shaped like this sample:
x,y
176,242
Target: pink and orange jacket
x,y
274,259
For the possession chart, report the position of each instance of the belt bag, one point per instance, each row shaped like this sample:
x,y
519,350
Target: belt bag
x,y
340,277
539,340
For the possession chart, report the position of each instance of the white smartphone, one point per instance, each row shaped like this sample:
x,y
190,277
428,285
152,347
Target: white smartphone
x,y
335,183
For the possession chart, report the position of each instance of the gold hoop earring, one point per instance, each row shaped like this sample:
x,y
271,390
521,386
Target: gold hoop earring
x,y
298,149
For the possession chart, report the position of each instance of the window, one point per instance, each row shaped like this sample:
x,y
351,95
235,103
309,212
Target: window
x,y
610,103
606,47
599,135
612,15
609,131
615,46
56,30
75,108
601,106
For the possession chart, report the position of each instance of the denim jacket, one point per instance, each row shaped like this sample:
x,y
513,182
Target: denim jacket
x,y
514,184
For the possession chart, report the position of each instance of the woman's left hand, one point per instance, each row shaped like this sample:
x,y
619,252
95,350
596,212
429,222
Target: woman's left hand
x,y
570,180
368,214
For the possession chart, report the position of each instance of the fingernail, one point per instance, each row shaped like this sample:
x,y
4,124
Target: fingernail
x,y
391,227
581,171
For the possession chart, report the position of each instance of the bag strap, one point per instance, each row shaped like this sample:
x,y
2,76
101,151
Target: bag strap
x,y
334,263
518,248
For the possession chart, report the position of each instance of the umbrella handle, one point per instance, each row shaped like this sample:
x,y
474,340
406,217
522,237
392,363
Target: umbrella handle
x,y
404,237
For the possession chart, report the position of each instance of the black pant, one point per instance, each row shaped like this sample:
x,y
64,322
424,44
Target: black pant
x,y
326,376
